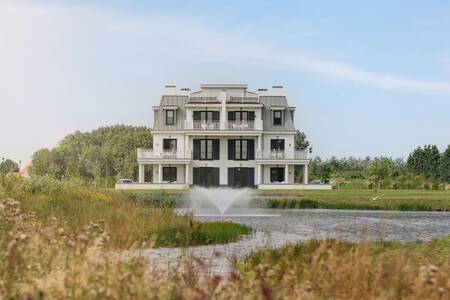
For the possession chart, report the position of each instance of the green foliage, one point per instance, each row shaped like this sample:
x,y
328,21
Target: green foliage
x,y
423,170
300,141
425,161
380,169
102,155
8,166
444,168
157,199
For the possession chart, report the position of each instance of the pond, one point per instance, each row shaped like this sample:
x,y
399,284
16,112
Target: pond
x,y
296,225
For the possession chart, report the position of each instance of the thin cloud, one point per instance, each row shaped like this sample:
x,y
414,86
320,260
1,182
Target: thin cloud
x,y
194,38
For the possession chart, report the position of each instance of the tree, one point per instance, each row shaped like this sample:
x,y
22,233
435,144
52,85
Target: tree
x,y
101,155
8,166
300,141
444,168
425,161
380,169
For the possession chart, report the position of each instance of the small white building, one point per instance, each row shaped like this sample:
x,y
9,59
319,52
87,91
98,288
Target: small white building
x,y
223,135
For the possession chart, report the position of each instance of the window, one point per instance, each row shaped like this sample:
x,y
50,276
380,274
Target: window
x,y
170,117
206,116
169,144
206,149
277,117
241,116
241,149
276,144
169,174
276,175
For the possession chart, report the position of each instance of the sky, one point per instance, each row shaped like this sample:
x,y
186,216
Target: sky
x,y
368,78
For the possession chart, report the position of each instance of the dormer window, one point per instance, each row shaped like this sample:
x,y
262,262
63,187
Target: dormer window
x,y
170,117
277,117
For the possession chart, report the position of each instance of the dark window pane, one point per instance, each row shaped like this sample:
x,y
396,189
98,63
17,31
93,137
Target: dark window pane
x,y
170,117
170,174
277,117
169,144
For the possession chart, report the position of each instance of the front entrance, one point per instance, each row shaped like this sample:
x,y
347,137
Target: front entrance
x,y
206,177
241,177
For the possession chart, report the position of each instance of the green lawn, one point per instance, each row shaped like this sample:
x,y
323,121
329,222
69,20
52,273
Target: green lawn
x,y
361,199
407,200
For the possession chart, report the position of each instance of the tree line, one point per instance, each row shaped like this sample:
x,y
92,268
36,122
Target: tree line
x,y
102,155
425,167
108,153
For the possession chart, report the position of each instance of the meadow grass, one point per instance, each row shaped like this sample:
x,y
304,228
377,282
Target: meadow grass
x,y
42,261
127,222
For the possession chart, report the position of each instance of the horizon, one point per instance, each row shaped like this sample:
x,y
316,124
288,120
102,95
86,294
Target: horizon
x,y
367,80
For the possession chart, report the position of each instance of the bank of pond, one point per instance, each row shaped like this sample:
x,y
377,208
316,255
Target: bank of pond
x,y
363,199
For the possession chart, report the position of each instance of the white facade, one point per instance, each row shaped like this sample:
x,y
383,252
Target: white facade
x,y
224,135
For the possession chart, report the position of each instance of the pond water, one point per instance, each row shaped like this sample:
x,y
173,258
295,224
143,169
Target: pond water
x,y
276,227
350,225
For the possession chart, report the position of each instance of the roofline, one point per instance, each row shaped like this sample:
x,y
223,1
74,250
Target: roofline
x,y
221,85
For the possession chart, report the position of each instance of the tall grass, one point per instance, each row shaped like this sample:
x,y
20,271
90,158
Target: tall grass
x,y
128,223
44,261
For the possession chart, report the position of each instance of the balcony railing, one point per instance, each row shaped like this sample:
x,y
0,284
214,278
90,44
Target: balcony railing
x,y
243,100
241,125
203,99
230,125
282,154
206,125
165,154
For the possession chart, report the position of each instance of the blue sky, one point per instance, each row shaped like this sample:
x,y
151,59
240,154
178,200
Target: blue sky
x,y
367,78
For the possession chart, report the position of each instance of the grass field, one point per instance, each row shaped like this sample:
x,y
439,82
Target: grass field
x,y
363,199
420,200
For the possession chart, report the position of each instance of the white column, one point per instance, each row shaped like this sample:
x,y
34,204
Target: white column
x,y
186,176
305,174
286,174
223,109
259,146
187,151
160,177
258,174
141,173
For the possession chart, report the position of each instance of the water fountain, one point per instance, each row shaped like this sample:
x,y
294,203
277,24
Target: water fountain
x,y
222,202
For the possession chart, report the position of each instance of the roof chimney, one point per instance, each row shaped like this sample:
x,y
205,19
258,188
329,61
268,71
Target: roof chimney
x,y
185,91
277,90
262,92
170,90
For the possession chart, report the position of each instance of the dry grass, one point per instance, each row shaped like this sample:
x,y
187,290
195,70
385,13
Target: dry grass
x,y
43,261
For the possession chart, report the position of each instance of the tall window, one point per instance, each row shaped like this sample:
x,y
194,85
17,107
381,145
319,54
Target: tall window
x,y
170,144
206,116
206,149
241,116
241,149
170,117
170,174
277,117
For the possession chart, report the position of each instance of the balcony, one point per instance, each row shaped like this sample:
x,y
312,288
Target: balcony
x,y
230,125
243,100
282,154
241,125
203,100
149,154
206,125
